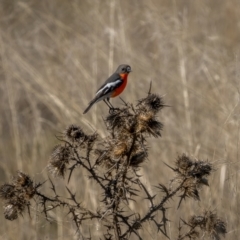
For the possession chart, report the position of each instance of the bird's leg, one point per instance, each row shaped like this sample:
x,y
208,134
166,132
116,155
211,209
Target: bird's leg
x,y
112,107
108,104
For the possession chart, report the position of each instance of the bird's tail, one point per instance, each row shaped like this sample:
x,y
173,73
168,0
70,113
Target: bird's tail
x,y
90,105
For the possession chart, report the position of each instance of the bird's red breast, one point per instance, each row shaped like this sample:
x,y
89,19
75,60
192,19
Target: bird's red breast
x,y
119,90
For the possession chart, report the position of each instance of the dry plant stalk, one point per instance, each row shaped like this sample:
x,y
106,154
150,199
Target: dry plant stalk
x,y
113,163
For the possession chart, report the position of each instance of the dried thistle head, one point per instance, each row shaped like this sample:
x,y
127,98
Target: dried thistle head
x,y
183,163
10,211
117,119
197,221
59,160
146,115
121,124
74,133
201,168
214,225
154,128
22,180
152,103
24,184
119,149
190,189
210,223
17,195
219,228
7,191
14,207
108,152
193,168
192,175
142,119
138,158
147,123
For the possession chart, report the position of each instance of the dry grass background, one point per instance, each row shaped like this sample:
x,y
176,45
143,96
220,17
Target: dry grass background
x,y
54,55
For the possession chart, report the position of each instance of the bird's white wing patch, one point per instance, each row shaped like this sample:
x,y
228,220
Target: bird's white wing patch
x,y
109,87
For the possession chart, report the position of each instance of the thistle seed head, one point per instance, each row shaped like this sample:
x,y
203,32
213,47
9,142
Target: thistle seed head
x,y
59,160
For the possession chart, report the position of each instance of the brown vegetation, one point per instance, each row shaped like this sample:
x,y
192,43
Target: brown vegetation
x,y
55,54
114,164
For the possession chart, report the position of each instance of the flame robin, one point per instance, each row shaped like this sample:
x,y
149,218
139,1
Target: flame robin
x,y
112,87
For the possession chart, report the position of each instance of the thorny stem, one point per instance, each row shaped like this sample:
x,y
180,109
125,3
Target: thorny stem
x,y
115,206
90,170
63,203
155,208
129,225
116,227
160,205
187,234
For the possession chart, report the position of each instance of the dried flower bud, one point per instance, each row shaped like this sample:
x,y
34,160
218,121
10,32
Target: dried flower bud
x,y
209,223
152,103
191,173
22,180
183,163
10,212
7,191
154,128
197,221
142,121
146,123
74,133
21,188
201,168
59,160
138,158
190,189
117,121
220,227
119,150
193,168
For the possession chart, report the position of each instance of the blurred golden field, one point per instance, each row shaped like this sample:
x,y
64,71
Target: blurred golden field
x,y
54,56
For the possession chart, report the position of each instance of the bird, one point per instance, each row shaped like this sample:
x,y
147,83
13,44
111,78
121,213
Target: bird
x,y
112,87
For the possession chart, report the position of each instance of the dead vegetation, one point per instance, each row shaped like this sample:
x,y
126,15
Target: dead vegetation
x,y
55,54
113,164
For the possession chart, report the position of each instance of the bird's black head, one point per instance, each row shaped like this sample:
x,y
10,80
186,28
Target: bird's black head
x,y
123,68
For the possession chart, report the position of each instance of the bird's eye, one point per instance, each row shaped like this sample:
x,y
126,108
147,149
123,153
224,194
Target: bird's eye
x,y
123,69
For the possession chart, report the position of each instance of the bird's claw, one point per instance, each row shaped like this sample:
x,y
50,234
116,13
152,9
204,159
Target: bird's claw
x,y
112,110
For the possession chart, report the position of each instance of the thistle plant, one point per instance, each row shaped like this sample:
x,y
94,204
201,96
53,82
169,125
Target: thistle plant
x,y
113,163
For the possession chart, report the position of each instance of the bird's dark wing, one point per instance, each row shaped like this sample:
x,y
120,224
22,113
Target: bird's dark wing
x,y
112,78
111,83
105,91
